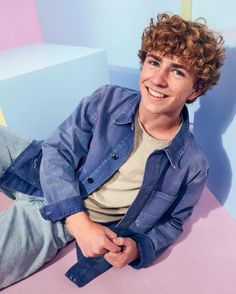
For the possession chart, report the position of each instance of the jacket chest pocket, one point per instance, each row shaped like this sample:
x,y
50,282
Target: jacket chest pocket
x,y
155,207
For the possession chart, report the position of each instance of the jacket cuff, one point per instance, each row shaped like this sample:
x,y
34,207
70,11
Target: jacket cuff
x,y
146,250
57,211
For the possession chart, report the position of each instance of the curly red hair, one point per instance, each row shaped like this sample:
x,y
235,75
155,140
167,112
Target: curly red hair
x,y
192,42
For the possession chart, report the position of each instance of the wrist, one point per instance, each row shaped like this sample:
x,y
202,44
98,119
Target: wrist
x,y
77,221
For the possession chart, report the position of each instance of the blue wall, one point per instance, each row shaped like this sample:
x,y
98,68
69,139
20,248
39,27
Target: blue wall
x,y
114,25
220,15
215,120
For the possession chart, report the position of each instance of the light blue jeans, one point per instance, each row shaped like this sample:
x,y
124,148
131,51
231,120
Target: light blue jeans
x,y
27,241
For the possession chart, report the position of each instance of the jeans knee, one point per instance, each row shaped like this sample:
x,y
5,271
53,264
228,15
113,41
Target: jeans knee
x,y
11,145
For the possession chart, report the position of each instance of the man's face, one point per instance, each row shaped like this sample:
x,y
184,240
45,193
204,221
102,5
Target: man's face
x,y
165,85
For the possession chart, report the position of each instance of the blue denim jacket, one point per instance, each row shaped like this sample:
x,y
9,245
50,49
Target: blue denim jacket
x,y
89,147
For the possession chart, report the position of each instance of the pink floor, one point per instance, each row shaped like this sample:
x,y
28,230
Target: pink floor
x,y
203,261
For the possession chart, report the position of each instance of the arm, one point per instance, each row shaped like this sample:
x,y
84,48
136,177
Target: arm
x,y
63,152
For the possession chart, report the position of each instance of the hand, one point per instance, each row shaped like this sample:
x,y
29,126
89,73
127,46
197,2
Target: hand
x,y
93,239
129,253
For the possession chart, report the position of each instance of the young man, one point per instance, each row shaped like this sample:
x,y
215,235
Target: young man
x,y
122,173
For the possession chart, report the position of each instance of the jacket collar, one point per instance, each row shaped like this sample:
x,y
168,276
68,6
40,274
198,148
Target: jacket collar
x,y
127,114
180,142
178,145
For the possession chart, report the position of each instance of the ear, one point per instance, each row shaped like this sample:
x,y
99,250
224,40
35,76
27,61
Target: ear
x,y
196,93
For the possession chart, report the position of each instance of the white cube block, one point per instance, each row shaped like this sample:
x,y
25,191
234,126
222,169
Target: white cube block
x,y
41,84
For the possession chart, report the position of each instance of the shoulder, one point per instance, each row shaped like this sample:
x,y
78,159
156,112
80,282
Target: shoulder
x,y
118,93
116,90
109,94
105,101
109,99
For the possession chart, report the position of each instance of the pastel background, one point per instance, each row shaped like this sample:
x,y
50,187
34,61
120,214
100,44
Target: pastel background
x,y
54,52
19,24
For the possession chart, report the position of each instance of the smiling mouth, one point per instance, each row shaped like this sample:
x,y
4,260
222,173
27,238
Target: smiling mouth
x,y
156,94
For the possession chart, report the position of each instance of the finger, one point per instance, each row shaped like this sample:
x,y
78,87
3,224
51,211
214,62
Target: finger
x,y
115,259
100,252
119,241
110,234
112,254
109,259
110,246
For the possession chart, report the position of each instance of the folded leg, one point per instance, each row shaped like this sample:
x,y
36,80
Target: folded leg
x,y
27,241
11,146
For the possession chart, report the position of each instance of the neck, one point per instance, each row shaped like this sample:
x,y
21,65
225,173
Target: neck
x,y
160,126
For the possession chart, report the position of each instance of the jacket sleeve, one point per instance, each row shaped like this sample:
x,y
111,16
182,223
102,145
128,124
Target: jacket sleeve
x,y
154,242
63,152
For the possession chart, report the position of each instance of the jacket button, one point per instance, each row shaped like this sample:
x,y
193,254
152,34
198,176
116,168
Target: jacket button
x,y
115,156
90,180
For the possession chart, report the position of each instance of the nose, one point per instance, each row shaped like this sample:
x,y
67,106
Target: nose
x,y
159,78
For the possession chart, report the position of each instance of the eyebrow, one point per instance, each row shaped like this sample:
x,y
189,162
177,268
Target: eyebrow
x,y
175,65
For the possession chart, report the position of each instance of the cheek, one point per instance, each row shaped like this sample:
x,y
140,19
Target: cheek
x,y
145,74
182,90
189,92
142,76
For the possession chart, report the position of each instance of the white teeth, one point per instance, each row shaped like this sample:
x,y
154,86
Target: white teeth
x,y
156,94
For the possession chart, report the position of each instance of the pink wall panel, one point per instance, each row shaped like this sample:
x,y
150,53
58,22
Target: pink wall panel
x,y
19,24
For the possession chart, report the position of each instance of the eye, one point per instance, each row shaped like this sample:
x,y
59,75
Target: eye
x,y
153,62
178,72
